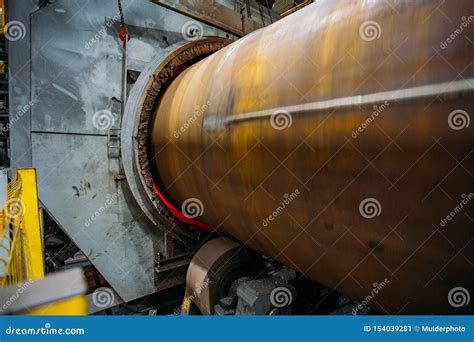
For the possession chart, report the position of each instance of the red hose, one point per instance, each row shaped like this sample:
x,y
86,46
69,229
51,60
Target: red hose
x,y
180,216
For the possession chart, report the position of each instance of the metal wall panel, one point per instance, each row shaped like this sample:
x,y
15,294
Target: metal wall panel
x,y
19,84
65,69
77,56
76,183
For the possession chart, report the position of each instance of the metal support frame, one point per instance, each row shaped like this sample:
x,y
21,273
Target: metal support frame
x,y
218,15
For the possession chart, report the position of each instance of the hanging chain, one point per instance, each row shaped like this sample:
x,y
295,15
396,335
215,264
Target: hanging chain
x,y
242,14
122,20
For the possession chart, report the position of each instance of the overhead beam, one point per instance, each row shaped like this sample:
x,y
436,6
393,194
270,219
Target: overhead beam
x,y
217,15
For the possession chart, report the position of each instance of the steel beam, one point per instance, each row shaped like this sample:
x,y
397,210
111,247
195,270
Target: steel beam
x,y
220,16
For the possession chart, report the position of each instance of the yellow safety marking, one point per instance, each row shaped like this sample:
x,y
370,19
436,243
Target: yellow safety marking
x,y
31,226
70,307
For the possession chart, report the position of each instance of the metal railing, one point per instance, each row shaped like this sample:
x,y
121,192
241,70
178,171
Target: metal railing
x,y
11,257
21,254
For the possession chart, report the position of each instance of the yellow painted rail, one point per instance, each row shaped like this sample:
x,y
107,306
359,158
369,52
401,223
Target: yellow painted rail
x,y
21,250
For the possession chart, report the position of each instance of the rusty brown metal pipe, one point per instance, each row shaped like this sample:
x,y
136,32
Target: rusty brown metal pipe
x,y
291,135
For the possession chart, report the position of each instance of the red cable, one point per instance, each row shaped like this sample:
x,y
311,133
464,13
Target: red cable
x,y
179,215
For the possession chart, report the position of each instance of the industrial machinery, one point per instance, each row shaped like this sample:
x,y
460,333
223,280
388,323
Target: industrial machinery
x,y
327,153
24,289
